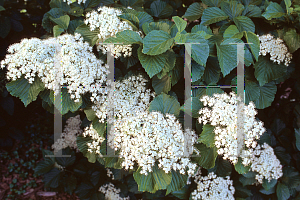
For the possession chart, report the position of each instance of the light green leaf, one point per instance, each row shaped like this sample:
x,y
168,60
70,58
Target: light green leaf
x,y
161,9
292,40
282,191
162,180
297,135
255,47
152,64
126,37
90,113
212,15
244,23
88,35
148,27
274,10
232,8
144,17
57,30
230,31
267,95
165,104
180,23
180,38
2,8
194,11
207,156
22,89
161,85
157,42
240,168
207,136
177,182
204,35
83,148
266,70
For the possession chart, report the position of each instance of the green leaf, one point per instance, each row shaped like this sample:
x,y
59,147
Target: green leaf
x,y
212,71
255,47
252,11
44,166
252,91
90,113
52,178
148,27
24,90
177,182
152,64
247,180
161,9
2,8
244,23
282,191
196,106
222,167
288,4
70,184
267,95
230,32
144,17
59,4
227,55
74,24
89,36
157,42
200,52
232,8
194,11
212,3
267,71
290,177
274,10
207,136
269,185
57,30
212,15
131,19
207,156
201,27
83,148
180,23
76,11
240,168
169,65
161,85
180,38
292,40
177,72
54,13
132,3
165,104
297,135
197,71
66,161
5,26
127,37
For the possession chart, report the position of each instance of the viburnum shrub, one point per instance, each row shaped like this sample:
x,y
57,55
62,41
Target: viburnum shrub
x,y
126,136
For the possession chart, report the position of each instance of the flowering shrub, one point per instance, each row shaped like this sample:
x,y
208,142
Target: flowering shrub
x,y
142,114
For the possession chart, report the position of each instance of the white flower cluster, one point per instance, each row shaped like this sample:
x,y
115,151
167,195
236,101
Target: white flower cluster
x,y
107,22
150,137
265,163
212,187
94,146
72,1
69,136
66,55
109,173
111,193
276,47
130,96
221,111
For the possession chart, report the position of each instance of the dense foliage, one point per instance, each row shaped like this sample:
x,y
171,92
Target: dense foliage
x,y
149,96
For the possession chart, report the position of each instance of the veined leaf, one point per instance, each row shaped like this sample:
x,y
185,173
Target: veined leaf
x,y
177,182
207,156
292,40
144,17
194,11
62,21
267,95
244,23
212,15
165,104
274,10
232,8
207,136
180,23
157,42
126,37
255,47
282,191
88,35
148,27
161,9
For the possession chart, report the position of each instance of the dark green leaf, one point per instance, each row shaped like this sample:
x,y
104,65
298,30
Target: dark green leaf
x,y
282,192
144,17
74,24
212,71
177,182
292,40
212,15
194,11
161,85
267,95
131,19
255,47
165,104
207,156
274,10
222,167
157,42
52,178
59,4
212,3
252,91
200,52
244,23
88,35
232,8
269,185
297,135
66,161
240,168
197,71
161,9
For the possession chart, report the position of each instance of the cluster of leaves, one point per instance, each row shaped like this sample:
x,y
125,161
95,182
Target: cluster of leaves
x,y
221,27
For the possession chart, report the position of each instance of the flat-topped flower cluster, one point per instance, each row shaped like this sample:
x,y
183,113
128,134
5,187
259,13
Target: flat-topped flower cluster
x,y
111,192
62,61
276,48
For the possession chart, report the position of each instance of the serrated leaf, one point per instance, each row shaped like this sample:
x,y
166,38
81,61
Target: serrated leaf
x,y
148,27
207,136
266,70
89,36
232,8
161,9
194,11
177,72
165,104
230,31
200,52
22,89
282,155
44,166
126,37
255,47
212,15
152,64
274,10
144,17
244,23
52,178
169,65
282,191
180,23
177,182
66,161
292,40
207,156
201,27
252,91
252,11
180,38
267,95
157,42
240,168
62,21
